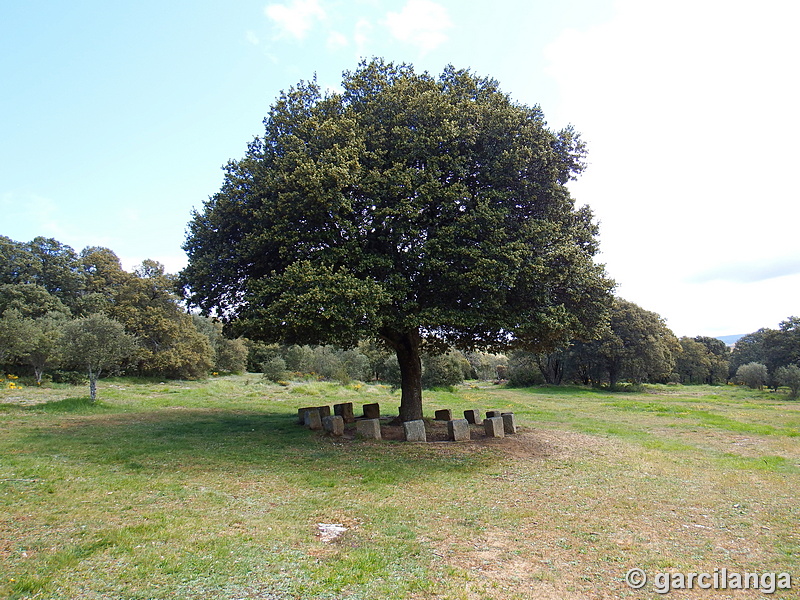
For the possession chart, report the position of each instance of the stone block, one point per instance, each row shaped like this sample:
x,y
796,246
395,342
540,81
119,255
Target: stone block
x,y
344,410
473,417
324,411
301,414
458,430
372,411
509,423
333,424
369,428
494,427
313,419
444,414
414,431
491,414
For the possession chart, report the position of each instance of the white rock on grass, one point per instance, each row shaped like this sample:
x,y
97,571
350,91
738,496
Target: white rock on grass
x,y
328,532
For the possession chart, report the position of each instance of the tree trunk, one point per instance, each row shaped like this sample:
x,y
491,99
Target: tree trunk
x,y
93,387
406,345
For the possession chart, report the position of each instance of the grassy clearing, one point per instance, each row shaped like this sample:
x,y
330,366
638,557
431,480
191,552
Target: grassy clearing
x,y
210,490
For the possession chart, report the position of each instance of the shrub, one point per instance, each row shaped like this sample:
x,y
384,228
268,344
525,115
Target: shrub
x,y
299,359
523,370
443,370
754,375
259,353
230,355
790,377
274,369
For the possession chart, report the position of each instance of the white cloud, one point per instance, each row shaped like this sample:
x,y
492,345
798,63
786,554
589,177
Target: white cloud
x,y
361,37
421,23
337,41
251,37
688,109
296,18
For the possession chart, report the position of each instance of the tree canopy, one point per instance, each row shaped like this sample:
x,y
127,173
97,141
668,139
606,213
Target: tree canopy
x,y
427,212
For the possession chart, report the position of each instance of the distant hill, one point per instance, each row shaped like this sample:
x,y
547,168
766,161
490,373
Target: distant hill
x,y
730,340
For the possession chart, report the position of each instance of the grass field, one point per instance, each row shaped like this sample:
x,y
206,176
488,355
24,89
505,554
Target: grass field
x,y
208,490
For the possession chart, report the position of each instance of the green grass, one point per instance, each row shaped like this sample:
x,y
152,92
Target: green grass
x,y
211,490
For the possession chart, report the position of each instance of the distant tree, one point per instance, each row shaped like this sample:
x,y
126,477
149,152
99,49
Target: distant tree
x,y
259,353
637,347
43,350
693,363
773,348
523,369
170,344
30,300
376,354
15,335
754,375
443,370
103,278
718,355
552,365
96,344
426,213
484,365
787,342
790,377
56,268
16,262
229,355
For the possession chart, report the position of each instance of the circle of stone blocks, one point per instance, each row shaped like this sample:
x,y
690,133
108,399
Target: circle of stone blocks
x,y
509,423
372,411
494,427
344,410
444,414
414,431
490,414
324,411
333,425
473,417
458,430
313,419
369,428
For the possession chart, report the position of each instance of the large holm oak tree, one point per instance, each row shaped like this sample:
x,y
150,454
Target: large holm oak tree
x,y
426,212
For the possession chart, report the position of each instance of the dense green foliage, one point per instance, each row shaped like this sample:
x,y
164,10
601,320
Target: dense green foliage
x,y
774,348
425,213
702,360
636,346
754,375
45,286
95,344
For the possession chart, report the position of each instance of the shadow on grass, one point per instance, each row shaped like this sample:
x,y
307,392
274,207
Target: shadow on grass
x,y
566,390
71,405
163,441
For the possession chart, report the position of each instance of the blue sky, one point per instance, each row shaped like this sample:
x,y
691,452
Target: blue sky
x,y
117,117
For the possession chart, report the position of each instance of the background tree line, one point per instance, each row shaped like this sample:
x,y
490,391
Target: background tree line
x,y
64,314
637,347
55,303
67,316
